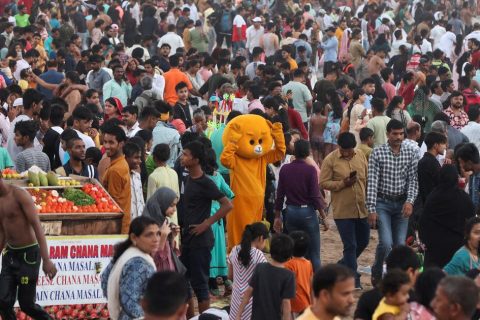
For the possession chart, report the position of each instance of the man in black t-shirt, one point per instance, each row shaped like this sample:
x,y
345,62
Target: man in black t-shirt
x,y
197,236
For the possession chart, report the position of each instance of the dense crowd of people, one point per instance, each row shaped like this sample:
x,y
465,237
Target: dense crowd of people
x,y
379,105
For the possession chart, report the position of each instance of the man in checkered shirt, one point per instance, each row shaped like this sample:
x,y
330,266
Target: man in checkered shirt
x,y
392,187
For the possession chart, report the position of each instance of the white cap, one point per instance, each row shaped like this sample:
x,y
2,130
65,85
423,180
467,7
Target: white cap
x,y
257,19
18,102
322,11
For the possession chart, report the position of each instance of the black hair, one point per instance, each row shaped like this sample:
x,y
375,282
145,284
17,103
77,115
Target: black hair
x,y
396,100
165,293
301,243
145,135
132,109
197,149
393,281
346,140
130,149
31,96
148,112
426,285
281,247
232,115
365,133
45,112
473,112
468,152
180,86
385,73
394,124
137,227
326,277
57,113
402,257
433,138
301,149
161,152
378,105
115,131
95,154
469,224
368,81
27,129
174,60
82,113
210,161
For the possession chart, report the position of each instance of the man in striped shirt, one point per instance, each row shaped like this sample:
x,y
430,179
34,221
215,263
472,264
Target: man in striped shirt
x,y
25,132
392,187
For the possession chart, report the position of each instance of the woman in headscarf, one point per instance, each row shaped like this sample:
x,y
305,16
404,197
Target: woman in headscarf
x,y
423,106
441,226
113,109
161,206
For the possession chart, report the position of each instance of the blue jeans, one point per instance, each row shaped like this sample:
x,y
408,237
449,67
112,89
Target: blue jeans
x,y
392,231
355,235
305,219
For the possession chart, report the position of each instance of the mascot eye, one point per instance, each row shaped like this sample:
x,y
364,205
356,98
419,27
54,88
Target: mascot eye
x,y
252,142
260,141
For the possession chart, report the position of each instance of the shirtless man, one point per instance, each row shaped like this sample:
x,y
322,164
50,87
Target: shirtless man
x,y
377,63
23,244
318,120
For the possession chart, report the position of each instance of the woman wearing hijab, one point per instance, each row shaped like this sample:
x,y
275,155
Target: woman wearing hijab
x,y
441,226
161,206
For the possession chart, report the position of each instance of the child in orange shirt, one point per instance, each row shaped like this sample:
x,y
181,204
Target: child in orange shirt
x,y
303,270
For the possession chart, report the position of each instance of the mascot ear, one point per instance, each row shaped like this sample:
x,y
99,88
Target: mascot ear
x,y
236,132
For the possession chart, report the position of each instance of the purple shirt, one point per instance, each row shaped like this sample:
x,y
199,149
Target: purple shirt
x,y
298,182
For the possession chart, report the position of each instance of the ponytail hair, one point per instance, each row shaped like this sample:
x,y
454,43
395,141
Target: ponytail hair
x,y
251,232
137,227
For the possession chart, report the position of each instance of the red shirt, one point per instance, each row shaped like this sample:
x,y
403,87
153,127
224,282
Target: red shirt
x,y
295,121
476,59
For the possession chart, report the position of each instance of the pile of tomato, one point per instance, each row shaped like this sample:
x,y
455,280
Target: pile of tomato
x,y
77,311
51,201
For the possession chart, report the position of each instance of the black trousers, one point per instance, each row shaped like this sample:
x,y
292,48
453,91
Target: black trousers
x,y
20,274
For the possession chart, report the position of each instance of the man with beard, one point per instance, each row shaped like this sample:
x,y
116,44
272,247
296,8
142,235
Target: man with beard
x,y
458,116
76,164
333,287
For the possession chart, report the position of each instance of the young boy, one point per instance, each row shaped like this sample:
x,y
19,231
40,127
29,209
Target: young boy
x,y
303,270
165,296
379,122
428,166
25,132
197,236
387,76
133,156
181,110
272,286
199,122
366,138
163,175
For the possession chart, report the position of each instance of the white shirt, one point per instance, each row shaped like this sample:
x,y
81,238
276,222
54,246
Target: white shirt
x,y
238,21
426,46
251,69
174,40
135,12
137,202
158,85
447,43
396,46
253,37
133,130
86,139
436,34
474,34
472,131
146,54
193,11
21,64
327,21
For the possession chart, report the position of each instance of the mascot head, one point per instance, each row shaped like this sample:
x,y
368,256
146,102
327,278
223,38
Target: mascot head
x,y
253,135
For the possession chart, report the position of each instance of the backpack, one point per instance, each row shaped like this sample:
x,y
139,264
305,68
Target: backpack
x,y
471,98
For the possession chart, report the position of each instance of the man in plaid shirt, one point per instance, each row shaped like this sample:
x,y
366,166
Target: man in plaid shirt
x,y
392,187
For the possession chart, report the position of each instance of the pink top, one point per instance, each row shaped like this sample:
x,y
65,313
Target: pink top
x,y
205,73
255,104
389,90
419,312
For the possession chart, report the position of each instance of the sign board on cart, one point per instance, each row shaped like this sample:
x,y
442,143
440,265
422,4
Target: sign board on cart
x,y
80,260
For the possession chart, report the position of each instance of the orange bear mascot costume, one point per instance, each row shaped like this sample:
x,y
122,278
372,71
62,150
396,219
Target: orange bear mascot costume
x,y
251,143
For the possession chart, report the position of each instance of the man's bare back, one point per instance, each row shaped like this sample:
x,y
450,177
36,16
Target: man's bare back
x,y
16,228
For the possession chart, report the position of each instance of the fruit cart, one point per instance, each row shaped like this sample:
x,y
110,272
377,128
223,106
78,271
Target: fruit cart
x,y
82,223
